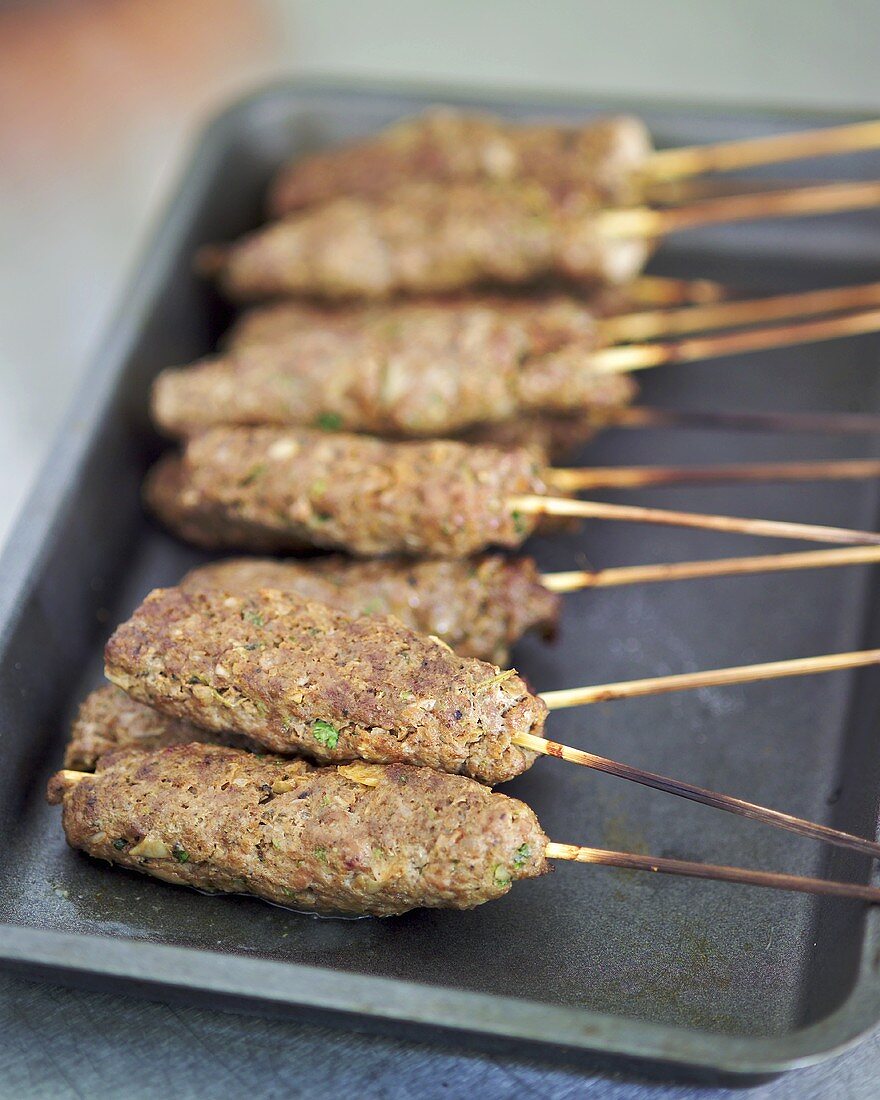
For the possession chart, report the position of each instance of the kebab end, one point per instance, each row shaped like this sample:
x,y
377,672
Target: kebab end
x,y
355,839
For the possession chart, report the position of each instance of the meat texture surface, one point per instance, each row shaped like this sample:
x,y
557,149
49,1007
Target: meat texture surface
x,y
426,238
357,839
478,606
108,719
405,371
599,157
301,677
276,489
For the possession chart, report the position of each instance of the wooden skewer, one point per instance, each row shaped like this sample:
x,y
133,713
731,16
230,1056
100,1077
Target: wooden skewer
x,y
695,160
630,513
576,579
643,221
640,477
717,677
702,795
688,868
628,357
642,416
661,290
695,318
718,872
693,188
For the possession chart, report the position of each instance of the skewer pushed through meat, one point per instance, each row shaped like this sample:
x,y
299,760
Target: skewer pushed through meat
x,y
431,239
357,839
275,489
414,370
297,676
425,238
279,489
479,606
610,158
354,839
449,146
428,370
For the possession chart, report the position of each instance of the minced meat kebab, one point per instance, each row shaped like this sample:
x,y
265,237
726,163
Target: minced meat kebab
x,y
435,370
426,238
275,489
410,370
478,606
359,839
297,676
599,158
610,158
269,489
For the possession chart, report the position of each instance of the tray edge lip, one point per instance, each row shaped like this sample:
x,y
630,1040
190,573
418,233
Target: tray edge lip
x,y
196,970
30,534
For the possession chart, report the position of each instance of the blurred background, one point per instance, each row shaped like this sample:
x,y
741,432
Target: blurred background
x,y
101,99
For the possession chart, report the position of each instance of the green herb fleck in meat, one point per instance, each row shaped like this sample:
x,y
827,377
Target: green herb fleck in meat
x,y
253,617
501,875
519,523
521,855
321,855
180,854
325,734
119,844
253,473
329,422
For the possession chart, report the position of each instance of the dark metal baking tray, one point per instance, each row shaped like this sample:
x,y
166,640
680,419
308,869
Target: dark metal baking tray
x,y
588,960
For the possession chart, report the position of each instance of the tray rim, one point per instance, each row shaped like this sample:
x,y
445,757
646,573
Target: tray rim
x,y
190,972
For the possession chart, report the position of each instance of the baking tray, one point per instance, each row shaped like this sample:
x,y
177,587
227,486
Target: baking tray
x,y
586,961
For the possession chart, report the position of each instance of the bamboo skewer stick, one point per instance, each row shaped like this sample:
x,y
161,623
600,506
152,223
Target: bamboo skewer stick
x,y
630,513
639,477
643,221
696,160
574,580
687,868
714,871
717,677
704,797
646,324
660,290
642,416
628,357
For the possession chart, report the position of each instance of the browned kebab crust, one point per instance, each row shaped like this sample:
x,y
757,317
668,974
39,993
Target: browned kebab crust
x,y
479,606
360,839
553,317
600,156
403,371
554,437
301,677
426,238
108,719
277,489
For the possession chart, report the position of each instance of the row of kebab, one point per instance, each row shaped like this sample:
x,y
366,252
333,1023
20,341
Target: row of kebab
x,y
435,317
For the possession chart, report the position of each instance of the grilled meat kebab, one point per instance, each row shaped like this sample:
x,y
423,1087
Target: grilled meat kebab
x,y
444,145
358,839
403,371
298,676
428,238
478,606
276,489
